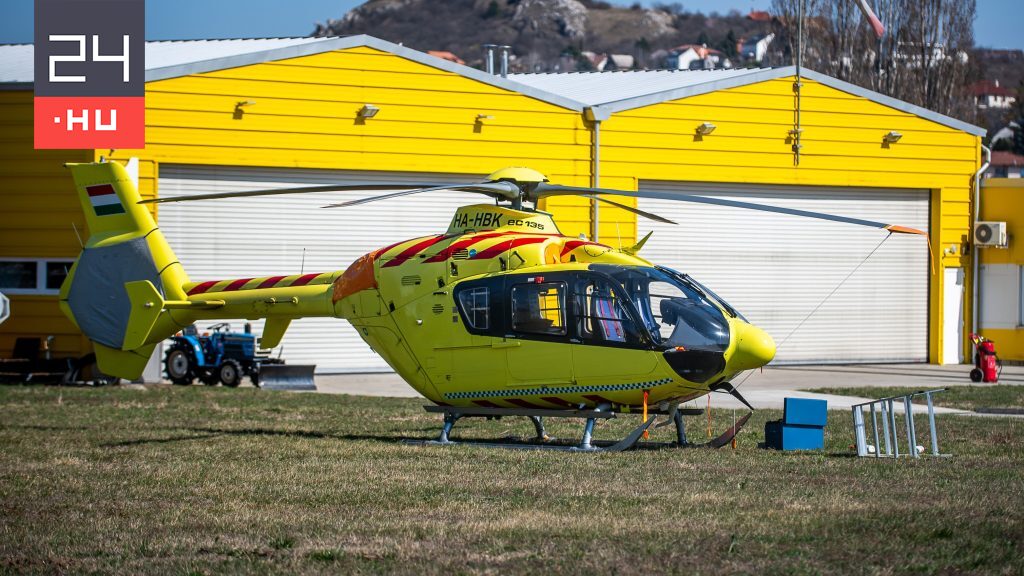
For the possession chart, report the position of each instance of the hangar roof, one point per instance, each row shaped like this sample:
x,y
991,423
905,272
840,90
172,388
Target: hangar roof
x,y
604,92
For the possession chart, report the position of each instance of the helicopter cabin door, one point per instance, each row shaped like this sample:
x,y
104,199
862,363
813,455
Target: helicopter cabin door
x,y
537,339
608,347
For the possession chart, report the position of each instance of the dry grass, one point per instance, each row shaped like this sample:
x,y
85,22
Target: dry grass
x,y
187,481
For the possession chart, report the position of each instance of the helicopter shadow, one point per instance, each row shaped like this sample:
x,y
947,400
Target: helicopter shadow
x,y
199,433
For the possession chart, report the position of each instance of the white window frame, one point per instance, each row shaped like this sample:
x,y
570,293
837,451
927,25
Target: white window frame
x,y
40,288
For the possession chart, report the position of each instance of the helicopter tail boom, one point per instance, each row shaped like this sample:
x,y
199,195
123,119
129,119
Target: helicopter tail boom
x,y
127,290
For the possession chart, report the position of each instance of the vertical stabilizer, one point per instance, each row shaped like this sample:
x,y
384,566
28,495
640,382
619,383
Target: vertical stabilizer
x,y
124,246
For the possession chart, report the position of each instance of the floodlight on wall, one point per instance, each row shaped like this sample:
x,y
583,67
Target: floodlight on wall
x,y
368,111
892,137
239,108
705,129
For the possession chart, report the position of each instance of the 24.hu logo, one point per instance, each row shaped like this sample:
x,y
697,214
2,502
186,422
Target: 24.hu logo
x,y
89,74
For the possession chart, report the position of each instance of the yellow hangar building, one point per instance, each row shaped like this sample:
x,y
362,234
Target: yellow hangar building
x,y
226,115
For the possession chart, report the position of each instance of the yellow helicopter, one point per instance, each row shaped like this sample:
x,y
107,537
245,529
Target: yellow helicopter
x,y
501,314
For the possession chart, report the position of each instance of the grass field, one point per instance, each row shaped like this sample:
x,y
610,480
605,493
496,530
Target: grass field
x,y
166,480
962,397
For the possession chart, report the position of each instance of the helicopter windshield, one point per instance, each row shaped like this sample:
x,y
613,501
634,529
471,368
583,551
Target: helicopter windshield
x,y
675,310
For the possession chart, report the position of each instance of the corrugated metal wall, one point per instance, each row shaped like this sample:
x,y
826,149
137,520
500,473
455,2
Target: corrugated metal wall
x,y
808,283
266,236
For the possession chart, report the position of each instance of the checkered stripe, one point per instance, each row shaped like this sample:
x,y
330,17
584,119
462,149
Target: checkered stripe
x,y
558,390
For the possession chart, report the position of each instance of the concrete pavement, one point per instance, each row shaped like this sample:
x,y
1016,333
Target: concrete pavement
x,y
764,389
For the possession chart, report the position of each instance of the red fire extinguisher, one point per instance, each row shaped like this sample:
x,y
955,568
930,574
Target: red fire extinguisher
x,y
986,363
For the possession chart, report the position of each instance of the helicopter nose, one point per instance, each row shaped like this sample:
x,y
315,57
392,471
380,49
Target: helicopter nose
x,y
754,348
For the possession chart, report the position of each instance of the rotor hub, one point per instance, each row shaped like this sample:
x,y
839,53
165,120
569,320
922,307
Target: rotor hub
x,y
518,174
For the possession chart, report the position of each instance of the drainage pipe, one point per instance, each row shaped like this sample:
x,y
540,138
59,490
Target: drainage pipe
x,y
975,275
595,115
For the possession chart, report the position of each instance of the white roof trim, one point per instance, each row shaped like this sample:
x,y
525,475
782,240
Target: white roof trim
x,y
783,72
341,43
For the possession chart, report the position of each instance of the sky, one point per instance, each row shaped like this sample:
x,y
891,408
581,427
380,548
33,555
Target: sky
x,y
998,24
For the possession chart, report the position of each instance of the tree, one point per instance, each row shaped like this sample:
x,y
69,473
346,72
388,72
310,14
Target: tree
x,y
643,48
729,45
492,9
703,39
922,59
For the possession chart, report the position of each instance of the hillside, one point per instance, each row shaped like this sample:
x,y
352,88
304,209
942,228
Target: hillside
x,y
544,34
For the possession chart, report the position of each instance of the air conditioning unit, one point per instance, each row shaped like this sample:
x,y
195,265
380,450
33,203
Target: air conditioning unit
x,y
990,234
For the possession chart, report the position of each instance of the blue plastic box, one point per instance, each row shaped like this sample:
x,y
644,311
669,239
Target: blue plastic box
x,y
802,426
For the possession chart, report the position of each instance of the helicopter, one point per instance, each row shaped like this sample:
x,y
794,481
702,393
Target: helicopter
x,y
499,315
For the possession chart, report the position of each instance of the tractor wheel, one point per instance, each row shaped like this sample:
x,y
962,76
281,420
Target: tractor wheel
x,y
230,373
977,375
179,366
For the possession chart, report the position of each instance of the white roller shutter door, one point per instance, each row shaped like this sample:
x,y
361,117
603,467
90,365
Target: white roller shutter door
x,y
264,236
775,269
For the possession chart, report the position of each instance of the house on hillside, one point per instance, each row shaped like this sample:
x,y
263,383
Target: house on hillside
x,y
759,16
1004,133
755,48
696,57
446,55
608,62
1005,165
989,94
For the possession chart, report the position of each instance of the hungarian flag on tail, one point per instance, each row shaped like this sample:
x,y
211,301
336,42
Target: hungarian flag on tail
x,y
104,200
876,24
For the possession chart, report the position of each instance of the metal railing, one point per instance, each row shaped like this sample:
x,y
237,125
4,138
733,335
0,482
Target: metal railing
x,y
884,408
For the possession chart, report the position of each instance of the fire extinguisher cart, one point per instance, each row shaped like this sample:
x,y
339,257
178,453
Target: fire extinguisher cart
x,y
986,362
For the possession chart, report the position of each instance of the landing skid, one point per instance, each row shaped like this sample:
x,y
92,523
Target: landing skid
x,y
542,441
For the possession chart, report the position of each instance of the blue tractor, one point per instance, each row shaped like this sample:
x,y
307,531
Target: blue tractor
x,y
217,356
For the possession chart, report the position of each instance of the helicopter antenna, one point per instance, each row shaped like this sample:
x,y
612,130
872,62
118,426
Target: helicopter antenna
x,y
77,235
302,266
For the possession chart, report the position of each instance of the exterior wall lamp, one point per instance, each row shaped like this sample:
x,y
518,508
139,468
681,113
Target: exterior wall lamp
x,y
239,108
705,129
892,137
368,111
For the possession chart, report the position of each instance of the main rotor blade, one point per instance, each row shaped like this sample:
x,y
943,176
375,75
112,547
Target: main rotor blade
x,y
504,190
544,190
302,190
637,211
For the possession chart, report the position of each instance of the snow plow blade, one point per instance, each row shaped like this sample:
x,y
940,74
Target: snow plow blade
x,y
287,377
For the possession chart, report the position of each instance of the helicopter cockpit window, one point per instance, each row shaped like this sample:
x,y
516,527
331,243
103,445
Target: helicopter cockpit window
x,y
476,307
676,312
539,308
600,313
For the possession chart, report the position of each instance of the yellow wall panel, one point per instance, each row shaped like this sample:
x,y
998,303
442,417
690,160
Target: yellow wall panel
x,y
40,206
1002,200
